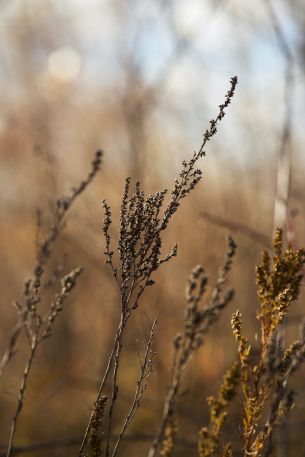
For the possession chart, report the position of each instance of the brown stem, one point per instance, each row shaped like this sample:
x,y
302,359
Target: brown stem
x,y
22,389
117,338
146,365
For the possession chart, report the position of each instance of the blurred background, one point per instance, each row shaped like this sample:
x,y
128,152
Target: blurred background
x,y
140,79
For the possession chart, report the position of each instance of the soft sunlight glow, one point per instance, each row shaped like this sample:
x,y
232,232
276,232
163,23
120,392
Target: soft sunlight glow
x,y
190,15
64,64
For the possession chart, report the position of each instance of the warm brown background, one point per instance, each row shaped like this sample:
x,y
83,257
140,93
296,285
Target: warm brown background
x,y
141,80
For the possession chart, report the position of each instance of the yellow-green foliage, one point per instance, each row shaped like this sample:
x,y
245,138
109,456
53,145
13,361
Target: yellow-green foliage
x,y
209,442
278,281
278,284
227,450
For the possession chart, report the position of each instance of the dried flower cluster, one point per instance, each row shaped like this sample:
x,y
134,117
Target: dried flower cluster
x,y
139,246
33,319
198,320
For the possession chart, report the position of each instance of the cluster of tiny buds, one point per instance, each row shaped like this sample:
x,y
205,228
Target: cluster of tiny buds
x,y
68,282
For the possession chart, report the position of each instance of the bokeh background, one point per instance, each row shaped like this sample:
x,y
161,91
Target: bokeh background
x,y
140,79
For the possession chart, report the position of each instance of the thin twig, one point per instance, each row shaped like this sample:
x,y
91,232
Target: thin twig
x,y
115,388
11,347
146,370
238,227
101,388
22,389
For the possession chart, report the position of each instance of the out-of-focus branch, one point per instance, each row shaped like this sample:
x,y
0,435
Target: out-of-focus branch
x,y
282,216
238,227
42,257
145,374
198,320
32,321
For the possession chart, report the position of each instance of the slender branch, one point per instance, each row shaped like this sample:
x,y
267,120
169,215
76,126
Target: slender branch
x,y
115,387
22,389
146,369
235,226
100,391
11,347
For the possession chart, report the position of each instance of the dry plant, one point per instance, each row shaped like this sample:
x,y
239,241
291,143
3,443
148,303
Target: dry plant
x,y
262,375
196,324
142,223
34,320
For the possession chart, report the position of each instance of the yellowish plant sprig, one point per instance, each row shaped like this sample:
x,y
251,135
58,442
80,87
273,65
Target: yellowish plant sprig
x,y
169,437
243,345
209,442
278,281
278,284
278,242
227,450
253,398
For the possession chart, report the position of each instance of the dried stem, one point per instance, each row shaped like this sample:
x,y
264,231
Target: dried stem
x,y
115,387
101,388
11,347
22,389
146,370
